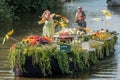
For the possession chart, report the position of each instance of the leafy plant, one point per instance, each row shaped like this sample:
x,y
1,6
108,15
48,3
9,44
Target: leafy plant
x,y
27,6
41,55
6,13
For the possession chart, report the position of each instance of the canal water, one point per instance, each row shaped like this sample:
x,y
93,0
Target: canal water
x,y
108,69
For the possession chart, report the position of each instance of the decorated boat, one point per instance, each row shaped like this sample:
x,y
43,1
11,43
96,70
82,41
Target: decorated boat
x,y
71,51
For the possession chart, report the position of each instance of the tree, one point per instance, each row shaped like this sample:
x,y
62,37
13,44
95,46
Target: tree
x,y
6,13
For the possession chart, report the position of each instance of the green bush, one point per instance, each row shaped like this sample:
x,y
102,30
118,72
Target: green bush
x,y
6,17
6,13
21,6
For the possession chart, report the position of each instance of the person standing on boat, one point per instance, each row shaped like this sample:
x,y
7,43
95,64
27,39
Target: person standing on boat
x,y
48,28
80,17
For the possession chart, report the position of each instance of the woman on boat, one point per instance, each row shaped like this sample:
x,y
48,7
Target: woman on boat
x,y
47,19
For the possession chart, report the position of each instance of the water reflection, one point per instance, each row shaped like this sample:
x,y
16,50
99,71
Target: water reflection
x,y
107,69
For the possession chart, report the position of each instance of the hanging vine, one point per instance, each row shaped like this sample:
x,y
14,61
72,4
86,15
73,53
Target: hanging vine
x,y
41,55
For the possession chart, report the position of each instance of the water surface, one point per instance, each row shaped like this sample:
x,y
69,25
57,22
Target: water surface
x,y
109,69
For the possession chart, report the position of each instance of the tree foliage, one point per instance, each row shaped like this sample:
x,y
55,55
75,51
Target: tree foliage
x,y
6,17
9,7
21,6
10,10
6,13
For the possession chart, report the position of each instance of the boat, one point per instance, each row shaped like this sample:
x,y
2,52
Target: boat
x,y
37,56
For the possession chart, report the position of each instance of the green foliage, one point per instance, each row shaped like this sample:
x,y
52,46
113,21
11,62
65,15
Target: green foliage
x,y
93,58
6,13
20,49
11,10
109,45
21,6
6,17
63,62
41,54
78,57
99,48
86,38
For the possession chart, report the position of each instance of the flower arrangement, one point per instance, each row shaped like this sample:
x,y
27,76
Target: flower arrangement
x,y
34,39
101,34
69,32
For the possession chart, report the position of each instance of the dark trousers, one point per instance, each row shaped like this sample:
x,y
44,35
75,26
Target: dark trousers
x,y
81,23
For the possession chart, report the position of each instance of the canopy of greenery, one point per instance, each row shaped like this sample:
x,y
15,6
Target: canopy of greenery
x,y
6,16
6,13
9,7
21,6
10,10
